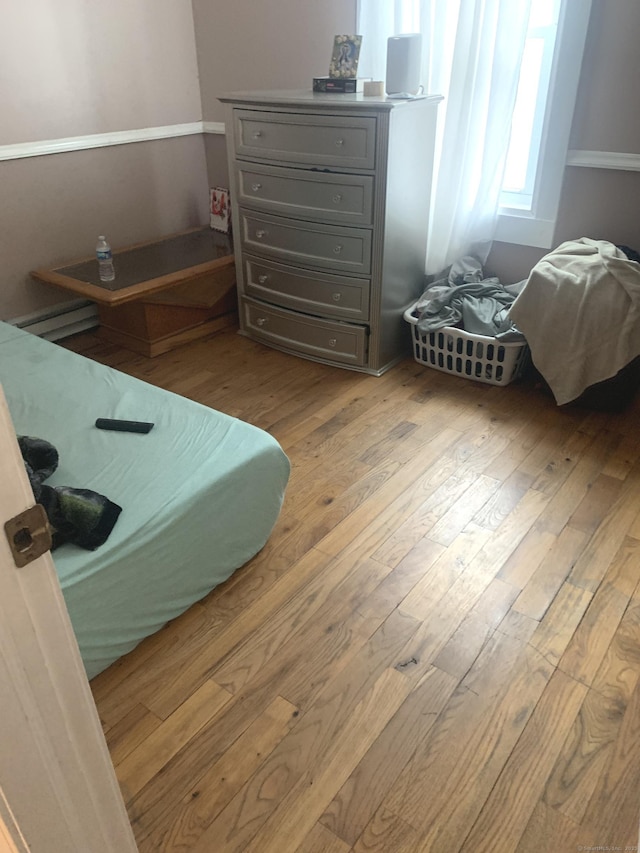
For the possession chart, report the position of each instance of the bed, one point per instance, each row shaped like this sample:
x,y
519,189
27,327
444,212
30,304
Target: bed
x,y
200,493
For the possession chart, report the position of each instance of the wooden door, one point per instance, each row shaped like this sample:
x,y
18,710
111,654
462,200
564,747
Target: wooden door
x,y
58,789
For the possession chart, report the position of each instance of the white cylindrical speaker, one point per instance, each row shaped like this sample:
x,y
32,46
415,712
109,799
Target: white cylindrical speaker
x,y
403,64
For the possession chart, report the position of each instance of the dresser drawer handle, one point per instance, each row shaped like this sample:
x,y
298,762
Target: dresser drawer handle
x,y
332,342
337,198
256,187
337,297
260,233
257,134
263,279
339,142
260,321
337,250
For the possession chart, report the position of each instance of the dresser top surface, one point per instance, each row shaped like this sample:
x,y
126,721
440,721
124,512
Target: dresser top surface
x,y
321,100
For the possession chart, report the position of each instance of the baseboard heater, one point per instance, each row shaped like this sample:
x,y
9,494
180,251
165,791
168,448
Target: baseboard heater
x,y
60,321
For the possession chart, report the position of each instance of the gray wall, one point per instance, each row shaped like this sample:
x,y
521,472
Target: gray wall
x,y
281,44
607,116
54,207
70,69
284,43
246,45
74,68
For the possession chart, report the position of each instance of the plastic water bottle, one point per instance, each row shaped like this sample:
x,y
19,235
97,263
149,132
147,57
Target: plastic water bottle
x,y
105,260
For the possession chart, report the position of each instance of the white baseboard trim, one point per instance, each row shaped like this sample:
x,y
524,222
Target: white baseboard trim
x,y
60,321
604,160
101,140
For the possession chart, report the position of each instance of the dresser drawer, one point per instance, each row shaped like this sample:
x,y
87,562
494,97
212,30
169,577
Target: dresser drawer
x,y
310,292
323,339
306,244
325,197
315,140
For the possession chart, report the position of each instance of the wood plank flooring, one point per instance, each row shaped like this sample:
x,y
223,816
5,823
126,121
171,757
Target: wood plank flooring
x,y
437,650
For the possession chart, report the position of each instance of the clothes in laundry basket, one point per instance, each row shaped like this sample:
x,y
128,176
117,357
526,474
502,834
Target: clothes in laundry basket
x,y
465,299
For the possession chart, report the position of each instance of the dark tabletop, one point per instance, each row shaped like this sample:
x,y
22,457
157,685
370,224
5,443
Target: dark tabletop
x,y
155,260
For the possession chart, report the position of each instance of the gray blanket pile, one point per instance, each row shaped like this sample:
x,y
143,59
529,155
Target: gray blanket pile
x,y
580,312
464,298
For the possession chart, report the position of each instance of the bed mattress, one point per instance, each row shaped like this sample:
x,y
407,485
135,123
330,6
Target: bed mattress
x,y
200,493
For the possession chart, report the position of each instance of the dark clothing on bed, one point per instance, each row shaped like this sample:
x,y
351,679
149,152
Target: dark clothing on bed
x,y
80,516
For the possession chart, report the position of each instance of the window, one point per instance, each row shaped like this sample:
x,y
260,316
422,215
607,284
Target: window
x,y
554,44
542,121
531,100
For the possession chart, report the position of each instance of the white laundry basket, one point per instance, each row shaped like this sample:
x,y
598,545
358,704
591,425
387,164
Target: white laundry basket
x,y
460,353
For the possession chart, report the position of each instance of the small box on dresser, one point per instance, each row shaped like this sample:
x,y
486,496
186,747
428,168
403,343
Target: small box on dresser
x,y
330,205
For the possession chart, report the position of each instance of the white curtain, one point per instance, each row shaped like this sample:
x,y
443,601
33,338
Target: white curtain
x,y
472,50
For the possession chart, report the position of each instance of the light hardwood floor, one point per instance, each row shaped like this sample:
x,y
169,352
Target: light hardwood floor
x,y
437,650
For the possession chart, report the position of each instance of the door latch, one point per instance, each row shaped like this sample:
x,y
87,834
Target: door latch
x,y
29,535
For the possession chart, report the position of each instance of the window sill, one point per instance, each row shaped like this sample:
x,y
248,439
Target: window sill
x,y
525,230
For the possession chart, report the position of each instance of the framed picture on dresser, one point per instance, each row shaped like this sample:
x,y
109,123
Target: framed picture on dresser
x,y
345,56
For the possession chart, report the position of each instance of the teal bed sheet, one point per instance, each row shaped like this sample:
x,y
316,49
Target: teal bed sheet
x,y
200,493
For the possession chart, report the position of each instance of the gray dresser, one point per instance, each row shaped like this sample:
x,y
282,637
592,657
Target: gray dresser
x,y
330,204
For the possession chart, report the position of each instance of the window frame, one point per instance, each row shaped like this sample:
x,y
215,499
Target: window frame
x,y
523,199
536,226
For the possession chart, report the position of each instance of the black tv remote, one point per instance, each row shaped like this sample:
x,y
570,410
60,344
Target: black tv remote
x,y
123,426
